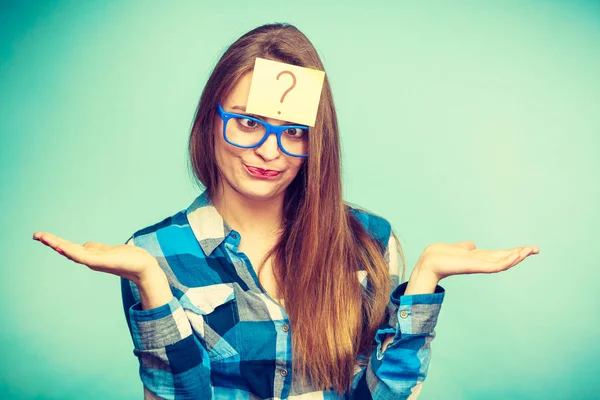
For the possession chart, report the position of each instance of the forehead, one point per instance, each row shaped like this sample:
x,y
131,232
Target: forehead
x,y
238,96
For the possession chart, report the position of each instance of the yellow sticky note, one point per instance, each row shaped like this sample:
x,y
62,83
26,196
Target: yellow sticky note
x,y
284,91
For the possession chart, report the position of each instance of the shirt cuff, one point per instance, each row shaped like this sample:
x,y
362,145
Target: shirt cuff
x,y
160,326
417,313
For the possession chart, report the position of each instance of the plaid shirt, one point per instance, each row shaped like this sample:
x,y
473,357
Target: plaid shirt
x,y
222,337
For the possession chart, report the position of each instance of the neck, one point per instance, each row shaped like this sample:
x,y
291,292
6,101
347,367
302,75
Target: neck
x,y
254,217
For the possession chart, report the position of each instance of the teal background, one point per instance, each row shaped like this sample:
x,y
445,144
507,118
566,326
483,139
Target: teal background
x,y
462,120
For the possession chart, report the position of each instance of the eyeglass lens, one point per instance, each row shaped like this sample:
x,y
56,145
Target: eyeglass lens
x,y
246,132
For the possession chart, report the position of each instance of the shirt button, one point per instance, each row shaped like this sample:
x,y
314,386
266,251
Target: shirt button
x,y
403,314
234,236
283,372
285,327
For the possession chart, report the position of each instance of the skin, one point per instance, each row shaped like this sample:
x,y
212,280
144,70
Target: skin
x,y
253,207
231,159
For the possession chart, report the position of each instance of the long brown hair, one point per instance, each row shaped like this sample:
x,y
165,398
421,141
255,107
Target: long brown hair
x,y
323,245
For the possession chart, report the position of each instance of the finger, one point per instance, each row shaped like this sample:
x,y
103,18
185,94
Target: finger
x,y
38,236
517,257
498,264
55,241
513,259
528,249
49,239
82,255
89,255
507,252
466,244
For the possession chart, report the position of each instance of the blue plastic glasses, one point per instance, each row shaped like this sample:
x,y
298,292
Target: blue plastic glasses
x,y
248,132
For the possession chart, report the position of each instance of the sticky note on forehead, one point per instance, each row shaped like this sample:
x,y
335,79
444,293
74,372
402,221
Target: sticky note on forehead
x,y
284,91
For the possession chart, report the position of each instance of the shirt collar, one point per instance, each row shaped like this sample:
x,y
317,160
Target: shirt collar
x,y
208,225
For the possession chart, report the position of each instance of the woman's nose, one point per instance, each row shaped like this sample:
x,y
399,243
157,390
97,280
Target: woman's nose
x,y
269,149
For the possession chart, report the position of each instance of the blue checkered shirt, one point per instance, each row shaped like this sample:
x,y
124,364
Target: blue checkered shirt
x,y
221,336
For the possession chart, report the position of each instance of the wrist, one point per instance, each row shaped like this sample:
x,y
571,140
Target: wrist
x,y
422,280
154,289
147,277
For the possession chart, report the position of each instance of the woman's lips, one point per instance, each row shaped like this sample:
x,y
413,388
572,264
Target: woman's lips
x,y
260,172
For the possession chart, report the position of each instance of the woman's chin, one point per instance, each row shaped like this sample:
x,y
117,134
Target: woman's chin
x,y
256,191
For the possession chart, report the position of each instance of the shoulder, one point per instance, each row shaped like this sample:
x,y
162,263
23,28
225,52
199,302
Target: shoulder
x,y
155,236
377,226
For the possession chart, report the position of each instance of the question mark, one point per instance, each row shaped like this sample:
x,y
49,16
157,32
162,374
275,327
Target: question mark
x,y
290,88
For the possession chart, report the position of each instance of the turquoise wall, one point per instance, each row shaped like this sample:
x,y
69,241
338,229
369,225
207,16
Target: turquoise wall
x,y
462,120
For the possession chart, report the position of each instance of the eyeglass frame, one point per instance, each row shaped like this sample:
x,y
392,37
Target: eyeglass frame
x,y
270,128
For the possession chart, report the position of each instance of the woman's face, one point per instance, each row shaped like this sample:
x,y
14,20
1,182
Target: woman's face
x,y
233,162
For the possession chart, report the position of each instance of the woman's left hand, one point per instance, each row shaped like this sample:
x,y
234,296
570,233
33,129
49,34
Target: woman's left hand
x,y
444,259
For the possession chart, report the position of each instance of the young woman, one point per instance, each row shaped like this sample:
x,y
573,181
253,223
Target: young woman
x,y
269,285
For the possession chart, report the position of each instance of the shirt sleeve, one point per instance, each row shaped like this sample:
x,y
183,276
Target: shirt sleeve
x,y
399,371
173,364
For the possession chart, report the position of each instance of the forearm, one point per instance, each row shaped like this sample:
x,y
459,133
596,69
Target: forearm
x,y
420,282
399,371
399,362
174,364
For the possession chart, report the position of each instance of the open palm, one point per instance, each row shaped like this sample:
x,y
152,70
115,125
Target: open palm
x,y
444,259
127,261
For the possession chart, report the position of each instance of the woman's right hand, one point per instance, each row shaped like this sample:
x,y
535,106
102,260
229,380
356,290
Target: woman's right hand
x,y
127,261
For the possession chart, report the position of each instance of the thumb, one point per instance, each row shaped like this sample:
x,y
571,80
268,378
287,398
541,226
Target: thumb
x,y
466,244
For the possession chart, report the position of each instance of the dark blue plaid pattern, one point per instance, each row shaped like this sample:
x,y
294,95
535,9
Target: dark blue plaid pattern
x,y
222,337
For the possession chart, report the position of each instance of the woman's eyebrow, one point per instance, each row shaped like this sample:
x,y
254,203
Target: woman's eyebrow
x,y
243,108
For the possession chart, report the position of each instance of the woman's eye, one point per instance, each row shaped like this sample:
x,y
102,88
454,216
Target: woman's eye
x,y
295,132
248,123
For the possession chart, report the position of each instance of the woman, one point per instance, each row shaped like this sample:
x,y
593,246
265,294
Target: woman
x,y
269,285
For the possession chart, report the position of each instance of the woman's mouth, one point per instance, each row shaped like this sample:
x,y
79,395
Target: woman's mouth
x,y
261,172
